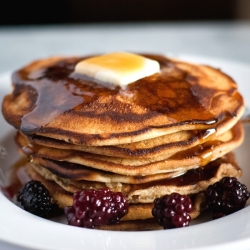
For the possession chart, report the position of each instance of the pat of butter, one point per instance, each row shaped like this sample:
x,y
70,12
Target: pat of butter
x,y
119,68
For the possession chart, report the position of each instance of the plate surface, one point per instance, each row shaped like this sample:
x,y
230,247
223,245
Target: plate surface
x,y
24,229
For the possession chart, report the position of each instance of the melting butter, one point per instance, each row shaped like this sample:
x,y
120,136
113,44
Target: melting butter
x,y
119,68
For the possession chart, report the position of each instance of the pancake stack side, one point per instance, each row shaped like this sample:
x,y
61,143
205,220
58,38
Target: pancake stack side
x,y
173,131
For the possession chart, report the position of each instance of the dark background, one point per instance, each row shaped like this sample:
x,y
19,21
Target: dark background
x,y
22,12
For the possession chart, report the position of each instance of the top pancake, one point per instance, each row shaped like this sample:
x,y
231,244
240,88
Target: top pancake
x,y
50,100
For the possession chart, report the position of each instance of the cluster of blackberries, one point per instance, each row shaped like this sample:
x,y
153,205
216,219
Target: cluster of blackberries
x,y
96,207
99,207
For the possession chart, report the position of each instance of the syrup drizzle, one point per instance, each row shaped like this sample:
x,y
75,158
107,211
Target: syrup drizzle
x,y
172,92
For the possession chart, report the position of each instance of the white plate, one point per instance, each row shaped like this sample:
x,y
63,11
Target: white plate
x,y
24,229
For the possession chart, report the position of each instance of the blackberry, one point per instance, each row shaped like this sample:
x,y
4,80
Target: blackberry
x,y
226,196
96,207
35,198
172,211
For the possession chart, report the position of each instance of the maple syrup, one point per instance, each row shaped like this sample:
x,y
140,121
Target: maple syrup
x,y
172,92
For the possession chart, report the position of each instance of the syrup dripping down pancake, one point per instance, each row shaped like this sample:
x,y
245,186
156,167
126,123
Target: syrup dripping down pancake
x,y
50,101
197,156
154,148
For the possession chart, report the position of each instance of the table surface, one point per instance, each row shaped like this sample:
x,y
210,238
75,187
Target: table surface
x,y
222,40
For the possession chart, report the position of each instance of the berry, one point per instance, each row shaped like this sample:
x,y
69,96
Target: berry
x,y
172,211
35,198
96,207
226,196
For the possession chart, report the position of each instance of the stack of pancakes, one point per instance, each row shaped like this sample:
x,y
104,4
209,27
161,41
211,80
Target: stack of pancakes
x,y
169,132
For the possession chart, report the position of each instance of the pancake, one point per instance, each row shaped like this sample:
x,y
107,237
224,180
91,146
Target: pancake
x,y
193,181
79,172
197,156
151,148
146,151
50,100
